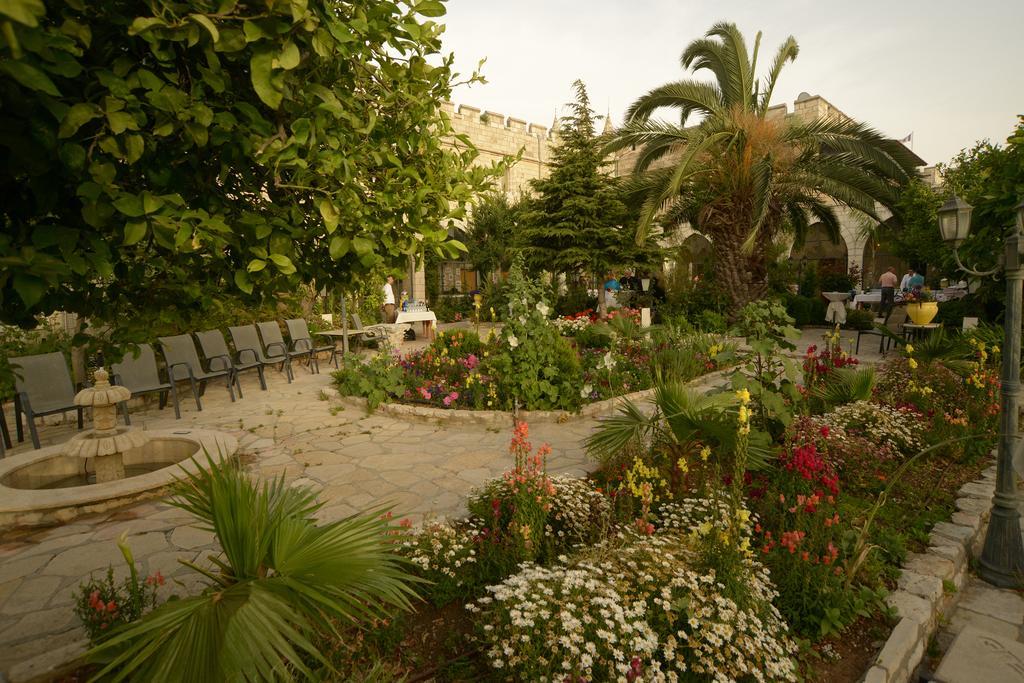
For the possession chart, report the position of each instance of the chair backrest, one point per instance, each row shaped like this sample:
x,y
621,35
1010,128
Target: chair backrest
x,y
138,372
215,349
970,323
46,380
897,316
245,338
270,332
357,324
298,330
180,349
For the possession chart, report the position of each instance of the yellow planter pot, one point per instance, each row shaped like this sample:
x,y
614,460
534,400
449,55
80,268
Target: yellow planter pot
x,y
923,313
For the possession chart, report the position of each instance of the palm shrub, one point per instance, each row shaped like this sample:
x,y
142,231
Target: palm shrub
x,y
741,177
281,581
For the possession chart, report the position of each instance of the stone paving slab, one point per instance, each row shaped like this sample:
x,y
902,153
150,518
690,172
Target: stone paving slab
x,y
977,656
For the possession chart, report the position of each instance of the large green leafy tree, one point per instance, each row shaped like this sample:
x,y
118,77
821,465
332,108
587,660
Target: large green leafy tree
x,y
988,176
573,225
740,177
155,155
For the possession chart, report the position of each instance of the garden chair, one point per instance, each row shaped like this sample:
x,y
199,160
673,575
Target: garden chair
x,y
218,357
42,386
249,348
183,364
270,332
885,328
140,375
298,330
377,332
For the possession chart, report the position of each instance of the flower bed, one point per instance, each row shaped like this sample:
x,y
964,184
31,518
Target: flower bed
x,y
529,365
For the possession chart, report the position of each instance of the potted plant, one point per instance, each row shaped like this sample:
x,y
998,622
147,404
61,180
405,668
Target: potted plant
x,y
921,306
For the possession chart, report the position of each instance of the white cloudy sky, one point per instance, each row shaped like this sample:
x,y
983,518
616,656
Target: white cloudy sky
x,y
951,71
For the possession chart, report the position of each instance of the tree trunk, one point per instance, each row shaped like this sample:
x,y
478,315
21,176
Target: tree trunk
x,y
602,301
741,275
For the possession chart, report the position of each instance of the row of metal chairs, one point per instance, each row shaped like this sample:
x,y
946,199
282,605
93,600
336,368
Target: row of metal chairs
x,y
43,384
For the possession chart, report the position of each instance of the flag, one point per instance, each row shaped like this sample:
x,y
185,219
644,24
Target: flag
x,y
909,140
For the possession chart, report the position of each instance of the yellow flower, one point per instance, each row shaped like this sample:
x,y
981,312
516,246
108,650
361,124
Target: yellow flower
x,y
912,363
705,453
744,415
909,349
743,515
995,349
744,396
704,529
681,464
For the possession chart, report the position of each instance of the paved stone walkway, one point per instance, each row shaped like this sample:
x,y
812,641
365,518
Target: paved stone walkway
x,y
983,640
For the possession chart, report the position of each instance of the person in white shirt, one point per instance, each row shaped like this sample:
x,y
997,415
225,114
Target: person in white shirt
x,y
388,309
905,282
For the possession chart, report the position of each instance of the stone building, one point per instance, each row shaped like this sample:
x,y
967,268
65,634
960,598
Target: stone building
x,y
497,135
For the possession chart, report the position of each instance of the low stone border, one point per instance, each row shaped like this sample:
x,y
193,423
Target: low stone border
x,y
921,598
34,507
503,418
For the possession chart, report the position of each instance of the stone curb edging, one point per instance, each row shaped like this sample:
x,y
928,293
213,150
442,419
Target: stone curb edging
x,y
503,418
921,598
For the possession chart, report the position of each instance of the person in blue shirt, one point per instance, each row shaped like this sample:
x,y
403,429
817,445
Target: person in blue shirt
x,y
916,281
613,285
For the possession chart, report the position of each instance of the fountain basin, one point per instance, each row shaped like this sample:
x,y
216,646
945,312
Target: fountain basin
x,y
49,487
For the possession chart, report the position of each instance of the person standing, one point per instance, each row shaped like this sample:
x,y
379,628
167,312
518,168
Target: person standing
x,y
388,308
888,282
916,282
905,282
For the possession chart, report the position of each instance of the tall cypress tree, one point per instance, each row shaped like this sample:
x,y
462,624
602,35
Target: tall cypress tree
x,y
572,225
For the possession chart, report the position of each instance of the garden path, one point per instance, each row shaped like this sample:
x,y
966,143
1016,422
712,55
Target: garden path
x,y
983,638
354,460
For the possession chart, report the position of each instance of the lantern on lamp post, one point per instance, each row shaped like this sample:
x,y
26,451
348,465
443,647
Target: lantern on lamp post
x,y
1002,556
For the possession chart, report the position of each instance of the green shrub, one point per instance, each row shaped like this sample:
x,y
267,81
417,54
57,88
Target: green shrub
x,y
458,343
378,380
575,300
595,336
537,367
860,320
710,321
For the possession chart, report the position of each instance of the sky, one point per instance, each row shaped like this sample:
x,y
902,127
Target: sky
x,y
950,72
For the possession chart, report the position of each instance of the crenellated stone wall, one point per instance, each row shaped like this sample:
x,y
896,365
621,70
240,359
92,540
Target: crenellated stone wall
x,y
497,136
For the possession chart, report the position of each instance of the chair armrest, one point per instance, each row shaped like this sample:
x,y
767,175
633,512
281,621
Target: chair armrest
x,y
255,358
284,349
224,357
302,344
170,370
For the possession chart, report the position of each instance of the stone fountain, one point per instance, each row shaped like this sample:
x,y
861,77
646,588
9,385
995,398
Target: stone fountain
x,y
106,443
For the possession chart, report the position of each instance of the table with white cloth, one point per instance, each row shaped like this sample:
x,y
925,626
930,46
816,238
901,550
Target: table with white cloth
x,y
867,299
428,318
836,312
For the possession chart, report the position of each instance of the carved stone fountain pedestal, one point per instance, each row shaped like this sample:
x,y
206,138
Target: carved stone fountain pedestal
x,y
106,443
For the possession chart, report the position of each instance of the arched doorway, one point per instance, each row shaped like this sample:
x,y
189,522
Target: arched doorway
x,y
693,256
820,250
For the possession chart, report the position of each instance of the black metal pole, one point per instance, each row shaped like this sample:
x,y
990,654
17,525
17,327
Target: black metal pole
x,y
1002,557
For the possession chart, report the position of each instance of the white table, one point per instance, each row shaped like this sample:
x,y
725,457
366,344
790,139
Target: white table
x,y
836,312
428,318
868,298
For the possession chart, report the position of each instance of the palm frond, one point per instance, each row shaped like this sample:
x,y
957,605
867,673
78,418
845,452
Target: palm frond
x,y
787,52
282,580
687,95
615,433
847,385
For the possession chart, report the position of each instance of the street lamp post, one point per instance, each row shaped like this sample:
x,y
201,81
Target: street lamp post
x,y
1002,557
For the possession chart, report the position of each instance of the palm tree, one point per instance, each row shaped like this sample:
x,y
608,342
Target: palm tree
x,y
740,177
281,581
